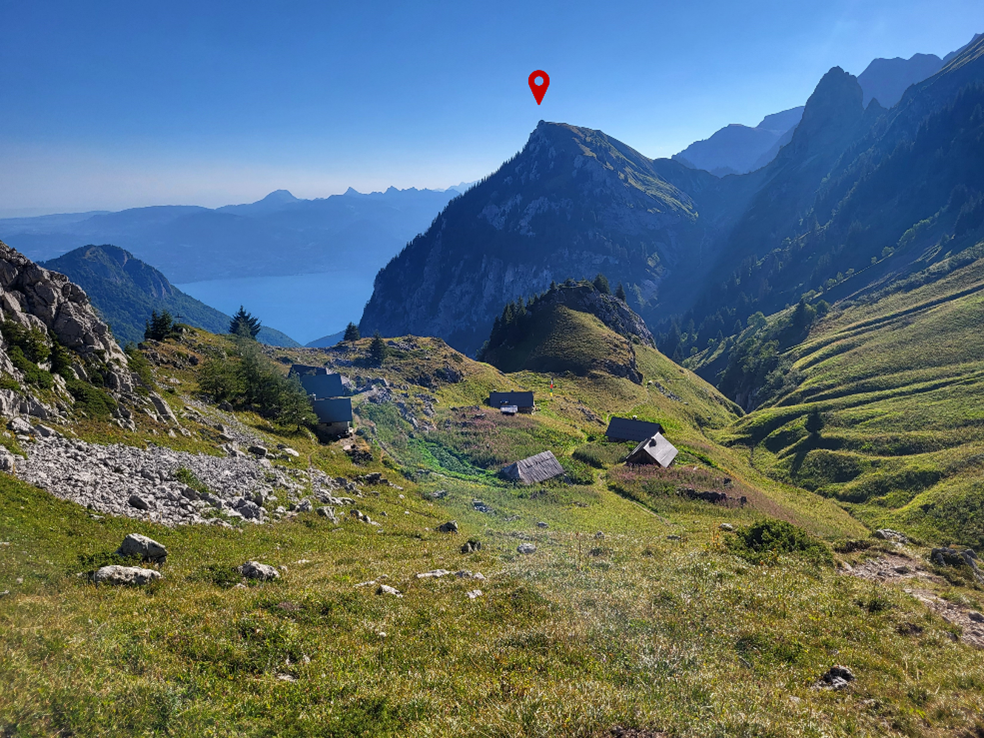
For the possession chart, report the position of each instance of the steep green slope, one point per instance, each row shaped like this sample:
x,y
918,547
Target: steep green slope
x,y
126,291
898,380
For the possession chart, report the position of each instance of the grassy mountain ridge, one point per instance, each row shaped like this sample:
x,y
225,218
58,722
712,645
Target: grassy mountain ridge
x,y
126,290
897,378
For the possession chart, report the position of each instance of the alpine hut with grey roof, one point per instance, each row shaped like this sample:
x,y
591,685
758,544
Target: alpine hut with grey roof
x,y
534,469
655,450
522,401
631,429
325,390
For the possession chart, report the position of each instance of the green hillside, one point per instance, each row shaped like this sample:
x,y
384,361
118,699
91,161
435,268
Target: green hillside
x,y
635,610
126,291
897,378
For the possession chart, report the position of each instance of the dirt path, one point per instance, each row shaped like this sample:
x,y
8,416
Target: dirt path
x,y
901,569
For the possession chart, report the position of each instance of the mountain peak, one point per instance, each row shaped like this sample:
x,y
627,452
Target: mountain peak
x,y
832,112
279,196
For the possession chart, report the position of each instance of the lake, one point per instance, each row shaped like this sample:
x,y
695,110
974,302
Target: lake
x,y
305,306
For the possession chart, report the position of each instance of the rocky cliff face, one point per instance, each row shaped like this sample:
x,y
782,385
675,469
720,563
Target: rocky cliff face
x,y
572,203
57,312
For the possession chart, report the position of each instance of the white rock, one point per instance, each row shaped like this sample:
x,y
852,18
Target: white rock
x,y
256,570
125,575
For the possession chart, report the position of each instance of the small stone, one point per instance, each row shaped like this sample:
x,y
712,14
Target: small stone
x,y
303,506
727,527
146,548
449,527
138,502
673,538
541,524
471,547
433,574
526,548
386,589
5,593
975,616
291,452
474,594
287,677
125,575
599,536
256,570
439,494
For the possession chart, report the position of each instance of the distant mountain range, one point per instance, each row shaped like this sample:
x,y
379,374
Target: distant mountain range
x,y
738,149
126,291
860,195
278,235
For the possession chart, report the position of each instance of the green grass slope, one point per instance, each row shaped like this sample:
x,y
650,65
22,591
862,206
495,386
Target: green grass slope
x,y
661,623
898,381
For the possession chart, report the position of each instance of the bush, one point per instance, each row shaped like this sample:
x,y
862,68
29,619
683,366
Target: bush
x,y
9,383
139,365
95,402
33,374
765,541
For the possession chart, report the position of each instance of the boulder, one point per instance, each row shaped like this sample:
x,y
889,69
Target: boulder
x,y
256,570
526,548
258,450
328,512
138,502
449,527
146,548
125,575
471,547
887,534
837,677
20,426
388,590
6,460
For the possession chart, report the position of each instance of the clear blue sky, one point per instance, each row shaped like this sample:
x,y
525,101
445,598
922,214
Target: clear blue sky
x,y
106,105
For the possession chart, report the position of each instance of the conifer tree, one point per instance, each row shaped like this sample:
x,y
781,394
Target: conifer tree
x,y
351,333
378,350
245,325
620,292
159,327
601,284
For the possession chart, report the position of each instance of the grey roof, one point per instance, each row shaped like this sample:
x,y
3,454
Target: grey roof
x,y
653,450
299,370
537,468
323,385
628,429
519,399
335,410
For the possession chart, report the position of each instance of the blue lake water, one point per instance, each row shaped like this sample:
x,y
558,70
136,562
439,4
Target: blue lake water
x,y
305,307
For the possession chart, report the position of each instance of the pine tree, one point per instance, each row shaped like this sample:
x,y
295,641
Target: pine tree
x,y
620,292
601,284
159,327
351,332
244,325
378,350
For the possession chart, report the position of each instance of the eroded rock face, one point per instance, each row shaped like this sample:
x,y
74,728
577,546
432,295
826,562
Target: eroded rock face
x,y
32,296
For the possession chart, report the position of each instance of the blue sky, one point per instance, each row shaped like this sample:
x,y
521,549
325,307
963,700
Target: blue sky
x,y
107,105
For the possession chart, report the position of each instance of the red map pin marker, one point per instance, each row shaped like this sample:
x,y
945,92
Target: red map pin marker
x,y
539,90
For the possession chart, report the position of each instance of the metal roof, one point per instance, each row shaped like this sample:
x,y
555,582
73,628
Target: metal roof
x,y
301,369
323,385
334,410
537,468
519,399
656,449
627,429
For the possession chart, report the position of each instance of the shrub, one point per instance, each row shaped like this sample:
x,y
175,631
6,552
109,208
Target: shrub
x,y
765,541
33,374
8,382
139,365
97,403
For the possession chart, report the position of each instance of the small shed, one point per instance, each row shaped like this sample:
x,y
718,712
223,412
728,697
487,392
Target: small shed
x,y
522,400
535,469
334,415
655,450
323,385
630,429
